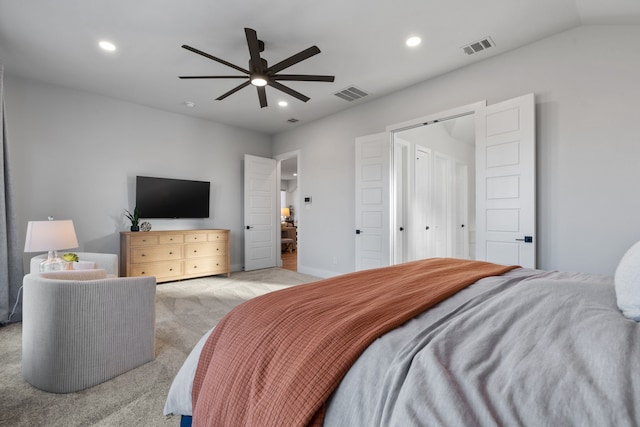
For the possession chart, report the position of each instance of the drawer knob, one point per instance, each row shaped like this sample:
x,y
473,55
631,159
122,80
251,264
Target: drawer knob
x,y
143,272
143,255
195,251
170,253
171,269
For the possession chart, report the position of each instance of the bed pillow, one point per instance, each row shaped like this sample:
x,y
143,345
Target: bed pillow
x,y
627,283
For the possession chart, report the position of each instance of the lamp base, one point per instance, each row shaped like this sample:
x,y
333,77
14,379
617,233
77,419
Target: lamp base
x,y
52,263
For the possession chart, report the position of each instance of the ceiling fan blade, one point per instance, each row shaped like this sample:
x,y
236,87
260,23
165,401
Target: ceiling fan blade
x,y
213,77
234,90
288,91
292,60
262,96
303,78
254,50
222,61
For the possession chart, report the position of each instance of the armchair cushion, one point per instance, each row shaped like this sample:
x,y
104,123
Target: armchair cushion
x,y
75,274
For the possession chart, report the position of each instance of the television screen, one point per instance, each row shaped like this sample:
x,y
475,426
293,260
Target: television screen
x,y
172,198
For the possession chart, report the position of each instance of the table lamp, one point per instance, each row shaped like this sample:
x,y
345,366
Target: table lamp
x,y
50,236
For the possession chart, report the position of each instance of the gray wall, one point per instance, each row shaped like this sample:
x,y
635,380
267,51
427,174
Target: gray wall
x,y
587,89
75,156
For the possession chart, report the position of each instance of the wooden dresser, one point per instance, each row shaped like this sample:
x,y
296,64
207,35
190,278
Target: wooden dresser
x,y
174,254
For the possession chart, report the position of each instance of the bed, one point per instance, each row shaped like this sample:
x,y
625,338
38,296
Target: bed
x,y
522,347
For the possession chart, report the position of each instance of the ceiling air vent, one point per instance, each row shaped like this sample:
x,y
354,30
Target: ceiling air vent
x,y
478,46
292,120
351,94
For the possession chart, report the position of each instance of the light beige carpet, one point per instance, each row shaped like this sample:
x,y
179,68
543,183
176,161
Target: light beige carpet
x,y
184,312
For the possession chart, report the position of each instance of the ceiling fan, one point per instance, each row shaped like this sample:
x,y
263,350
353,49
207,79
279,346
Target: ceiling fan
x,y
260,74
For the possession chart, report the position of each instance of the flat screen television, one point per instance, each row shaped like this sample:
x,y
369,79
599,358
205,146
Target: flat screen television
x,y
172,198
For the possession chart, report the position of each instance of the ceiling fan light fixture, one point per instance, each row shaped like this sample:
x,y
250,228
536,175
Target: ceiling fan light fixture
x,y
258,81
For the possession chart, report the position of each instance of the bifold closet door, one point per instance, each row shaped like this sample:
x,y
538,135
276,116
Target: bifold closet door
x,y
420,238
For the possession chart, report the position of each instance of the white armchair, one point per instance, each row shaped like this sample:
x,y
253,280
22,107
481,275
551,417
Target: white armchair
x,y
108,262
80,328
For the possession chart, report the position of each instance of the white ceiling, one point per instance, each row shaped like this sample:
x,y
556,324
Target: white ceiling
x,y
362,44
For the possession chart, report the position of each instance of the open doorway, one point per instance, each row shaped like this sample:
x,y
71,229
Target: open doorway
x,y
289,210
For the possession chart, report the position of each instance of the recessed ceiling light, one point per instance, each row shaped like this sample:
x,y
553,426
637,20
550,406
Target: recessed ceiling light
x,y
413,41
283,103
107,46
189,104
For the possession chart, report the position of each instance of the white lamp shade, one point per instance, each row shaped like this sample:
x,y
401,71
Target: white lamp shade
x,y
50,236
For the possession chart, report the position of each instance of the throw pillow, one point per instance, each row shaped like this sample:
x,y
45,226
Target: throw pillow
x,y
627,283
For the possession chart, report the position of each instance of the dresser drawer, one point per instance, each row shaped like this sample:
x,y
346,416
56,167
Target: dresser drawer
x,y
218,236
159,270
211,265
171,238
195,237
144,240
155,253
200,250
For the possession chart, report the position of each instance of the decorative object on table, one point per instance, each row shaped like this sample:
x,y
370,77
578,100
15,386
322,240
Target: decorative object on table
x,y
134,218
69,258
145,226
50,236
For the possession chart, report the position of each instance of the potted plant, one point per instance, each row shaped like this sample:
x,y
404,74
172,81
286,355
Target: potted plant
x,y
134,218
70,258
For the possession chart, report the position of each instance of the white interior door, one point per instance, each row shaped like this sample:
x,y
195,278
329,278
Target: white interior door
x,y
460,209
505,168
372,204
441,205
399,201
260,213
421,241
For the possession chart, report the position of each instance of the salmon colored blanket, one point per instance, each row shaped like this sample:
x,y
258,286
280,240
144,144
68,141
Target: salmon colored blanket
x,y
276,359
